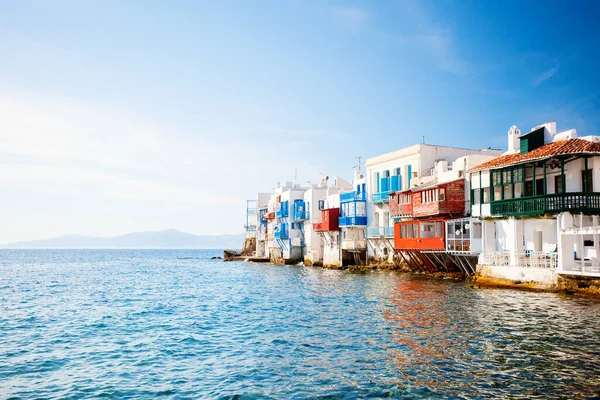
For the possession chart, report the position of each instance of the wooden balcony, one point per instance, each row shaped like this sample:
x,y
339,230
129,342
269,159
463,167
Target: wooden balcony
x,y
547,204
330,220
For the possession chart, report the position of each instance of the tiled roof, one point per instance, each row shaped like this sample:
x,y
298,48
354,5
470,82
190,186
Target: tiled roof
x,y
568,146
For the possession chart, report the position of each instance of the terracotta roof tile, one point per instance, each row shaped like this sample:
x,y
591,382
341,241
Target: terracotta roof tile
x,y
568,146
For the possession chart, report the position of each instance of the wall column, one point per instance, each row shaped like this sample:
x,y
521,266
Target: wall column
x,y
545,180
533,179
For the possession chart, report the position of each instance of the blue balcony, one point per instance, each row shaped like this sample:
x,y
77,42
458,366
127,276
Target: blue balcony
x,y
396,183
380,232
353,221
389,232
352,196
281,235
300,211
386,186
381,197
284,210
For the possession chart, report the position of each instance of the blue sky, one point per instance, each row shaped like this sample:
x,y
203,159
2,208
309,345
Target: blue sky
x,y
120,116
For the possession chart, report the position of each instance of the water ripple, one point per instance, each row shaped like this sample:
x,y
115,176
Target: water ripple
x,y
177,325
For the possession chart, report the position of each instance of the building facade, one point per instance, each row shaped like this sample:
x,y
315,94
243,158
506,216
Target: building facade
x,y
400,171
427,215
539,204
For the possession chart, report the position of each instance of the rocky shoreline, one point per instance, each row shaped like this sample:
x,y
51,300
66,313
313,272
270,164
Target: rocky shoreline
x,y
589,287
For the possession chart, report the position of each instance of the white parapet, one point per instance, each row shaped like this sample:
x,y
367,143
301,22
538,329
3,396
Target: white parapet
x,y
541,276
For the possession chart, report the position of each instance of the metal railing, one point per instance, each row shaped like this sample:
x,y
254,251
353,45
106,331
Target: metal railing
x,y
523,259
550,203
381,197
353,221
352,196
380,232
282,235
537,259
498,258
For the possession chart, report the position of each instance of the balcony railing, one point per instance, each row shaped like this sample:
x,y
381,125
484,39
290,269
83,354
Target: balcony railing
x,y
300,215
530,259
353,221
380,232
282,235
547,204
381,197
352,196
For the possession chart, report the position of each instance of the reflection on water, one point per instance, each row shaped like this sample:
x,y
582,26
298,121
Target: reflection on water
x,y
488,343
175,324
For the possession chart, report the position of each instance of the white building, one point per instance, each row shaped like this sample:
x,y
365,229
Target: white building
x,y
315,202
394,172
539,203
262,207
353,222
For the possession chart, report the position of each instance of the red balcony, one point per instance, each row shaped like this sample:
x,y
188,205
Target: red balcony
x,y
330,221
269,215
425,234
443,199
401,204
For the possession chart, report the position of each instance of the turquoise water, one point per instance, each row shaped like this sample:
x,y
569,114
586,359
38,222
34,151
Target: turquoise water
x,y
175,324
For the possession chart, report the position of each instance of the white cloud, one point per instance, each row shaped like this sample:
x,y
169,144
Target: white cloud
x,y
54,149
541,78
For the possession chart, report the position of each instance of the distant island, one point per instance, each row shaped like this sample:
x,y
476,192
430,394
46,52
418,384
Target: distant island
x,y
167,239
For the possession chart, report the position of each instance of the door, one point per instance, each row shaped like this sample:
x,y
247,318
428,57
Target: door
x,y
537,241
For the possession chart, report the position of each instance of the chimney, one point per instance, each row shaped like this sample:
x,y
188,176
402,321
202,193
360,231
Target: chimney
x,y
513,140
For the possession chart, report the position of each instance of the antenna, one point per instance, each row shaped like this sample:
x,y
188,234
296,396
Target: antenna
x,y
295,175
359,165
423,139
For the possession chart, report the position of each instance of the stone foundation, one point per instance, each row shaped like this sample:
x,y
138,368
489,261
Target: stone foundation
x,y
534,279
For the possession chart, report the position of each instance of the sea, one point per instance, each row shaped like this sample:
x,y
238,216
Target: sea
x,y
176,324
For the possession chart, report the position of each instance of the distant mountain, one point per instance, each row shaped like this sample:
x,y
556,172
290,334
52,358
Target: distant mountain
x,y
167,239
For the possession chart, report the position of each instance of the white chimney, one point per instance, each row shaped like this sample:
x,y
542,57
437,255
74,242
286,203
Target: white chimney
x,y
513,140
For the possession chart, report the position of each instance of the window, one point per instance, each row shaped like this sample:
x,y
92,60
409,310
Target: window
x,y
558,184
508,191
442,194
438,229
416,231
496,177
539,187
430,230
321,204
586,181
528,188
450,229
403,231
404,198
475,196
517,174
476,232
497,192
507,176
486,195
409,231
